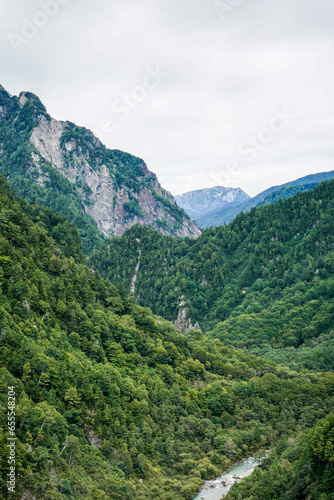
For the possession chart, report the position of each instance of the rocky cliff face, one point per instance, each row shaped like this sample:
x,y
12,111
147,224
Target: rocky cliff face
x,y
115,189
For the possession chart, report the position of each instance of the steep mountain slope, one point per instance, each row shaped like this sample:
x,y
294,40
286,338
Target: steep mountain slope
x,y
112,402
267,278
203,201
66,168
271,195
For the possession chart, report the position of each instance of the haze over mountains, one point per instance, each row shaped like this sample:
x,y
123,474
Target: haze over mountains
x,y
104,192
203,201
203,205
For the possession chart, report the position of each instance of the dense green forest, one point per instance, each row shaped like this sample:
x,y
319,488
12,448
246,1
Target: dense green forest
x,y
296,469
113,402
265,282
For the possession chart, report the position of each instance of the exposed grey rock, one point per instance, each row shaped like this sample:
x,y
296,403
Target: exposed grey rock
x,y
26,305
135,276
102,198
183,323
28,496
22,99
95,441
46,139
3,111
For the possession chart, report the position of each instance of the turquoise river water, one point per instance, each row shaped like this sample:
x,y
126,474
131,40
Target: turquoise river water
x,y
215,490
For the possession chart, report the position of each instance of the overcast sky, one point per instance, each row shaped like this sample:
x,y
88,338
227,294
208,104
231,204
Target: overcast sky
x,y
208,92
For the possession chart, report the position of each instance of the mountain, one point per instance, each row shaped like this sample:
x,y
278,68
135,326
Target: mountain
x,y
248,284
112,402
271,195
203,201
66,168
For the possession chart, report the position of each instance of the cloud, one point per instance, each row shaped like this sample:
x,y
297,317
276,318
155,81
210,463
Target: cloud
x,y
223,78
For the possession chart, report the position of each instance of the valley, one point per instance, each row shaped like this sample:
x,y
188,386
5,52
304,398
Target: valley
x,y
147,356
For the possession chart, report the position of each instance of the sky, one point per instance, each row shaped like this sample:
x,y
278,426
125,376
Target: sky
x,y
233,93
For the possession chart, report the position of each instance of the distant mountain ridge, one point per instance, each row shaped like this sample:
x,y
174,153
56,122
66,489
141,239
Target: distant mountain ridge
x,y
226,214
204,201
65,167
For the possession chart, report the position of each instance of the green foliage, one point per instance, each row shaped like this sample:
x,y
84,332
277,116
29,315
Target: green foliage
x,y
132,209
299,468
265,282
57,226
171,207
113,402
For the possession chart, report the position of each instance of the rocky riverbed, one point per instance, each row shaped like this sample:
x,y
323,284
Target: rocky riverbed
x,y
217,488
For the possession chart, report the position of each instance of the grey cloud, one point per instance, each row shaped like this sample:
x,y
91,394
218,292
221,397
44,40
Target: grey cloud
x,y
223,80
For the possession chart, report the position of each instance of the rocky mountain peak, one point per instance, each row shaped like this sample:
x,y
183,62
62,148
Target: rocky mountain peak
x,y
63,161
203,201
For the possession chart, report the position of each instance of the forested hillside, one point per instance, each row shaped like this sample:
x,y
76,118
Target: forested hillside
x,y
111,401
264,282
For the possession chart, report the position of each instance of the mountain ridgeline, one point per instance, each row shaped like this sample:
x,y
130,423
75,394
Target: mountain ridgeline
x,y
66,168
113,402
203,201
226,214
249,283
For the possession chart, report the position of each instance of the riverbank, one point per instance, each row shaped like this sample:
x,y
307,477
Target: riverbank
x,y
217,488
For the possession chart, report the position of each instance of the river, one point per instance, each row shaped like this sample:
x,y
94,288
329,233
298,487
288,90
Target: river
x,y
214,490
